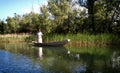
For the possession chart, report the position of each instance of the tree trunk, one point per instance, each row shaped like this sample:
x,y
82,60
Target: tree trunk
x,y
90,4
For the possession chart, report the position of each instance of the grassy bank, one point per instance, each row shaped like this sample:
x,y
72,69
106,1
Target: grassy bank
x,y
76,39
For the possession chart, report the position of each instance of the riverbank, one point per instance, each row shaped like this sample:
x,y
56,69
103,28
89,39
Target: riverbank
x,y
76,39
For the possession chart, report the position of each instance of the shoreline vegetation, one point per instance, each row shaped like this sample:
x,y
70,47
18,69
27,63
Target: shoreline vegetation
x,y
13,38
76,39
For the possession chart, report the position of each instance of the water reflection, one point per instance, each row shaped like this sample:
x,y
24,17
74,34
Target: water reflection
x,y
78,56
80,69
68,52
12,63
115,59
61,59
40,53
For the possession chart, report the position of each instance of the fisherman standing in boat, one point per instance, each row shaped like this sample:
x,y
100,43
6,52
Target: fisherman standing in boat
x,y
39,35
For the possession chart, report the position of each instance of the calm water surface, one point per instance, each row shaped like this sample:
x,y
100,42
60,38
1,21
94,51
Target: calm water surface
x,y
25,58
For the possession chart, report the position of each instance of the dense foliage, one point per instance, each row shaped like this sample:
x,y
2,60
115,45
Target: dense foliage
x,y
61,16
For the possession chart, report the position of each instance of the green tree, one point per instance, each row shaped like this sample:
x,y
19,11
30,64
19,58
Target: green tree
x,y
45,20
59,9
102,14
2,27
13,23
114,8
90,5
29,22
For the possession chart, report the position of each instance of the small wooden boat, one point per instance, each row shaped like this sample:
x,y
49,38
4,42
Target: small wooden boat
x,y
58,43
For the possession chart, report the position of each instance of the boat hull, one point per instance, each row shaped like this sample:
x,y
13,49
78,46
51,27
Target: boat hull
x,y
59,43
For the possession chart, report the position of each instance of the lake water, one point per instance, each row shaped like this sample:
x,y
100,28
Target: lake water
x,y
25,58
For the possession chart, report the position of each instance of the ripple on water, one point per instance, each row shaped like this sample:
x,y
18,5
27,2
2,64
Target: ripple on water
x,y
12,63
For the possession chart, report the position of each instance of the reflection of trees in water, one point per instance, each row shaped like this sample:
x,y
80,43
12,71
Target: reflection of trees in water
x,y
96,59
21,48
115,59
69,60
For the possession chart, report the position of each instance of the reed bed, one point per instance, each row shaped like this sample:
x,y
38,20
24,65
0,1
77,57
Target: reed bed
x,y
76,39
86,39
13,38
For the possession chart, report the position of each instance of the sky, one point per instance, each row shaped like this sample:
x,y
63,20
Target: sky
x,y
9,7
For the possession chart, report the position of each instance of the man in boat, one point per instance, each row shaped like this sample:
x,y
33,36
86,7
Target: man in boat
x,y
39,35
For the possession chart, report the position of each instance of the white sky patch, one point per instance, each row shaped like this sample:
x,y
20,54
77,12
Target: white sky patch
x,y
35,8
26,11
45,3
